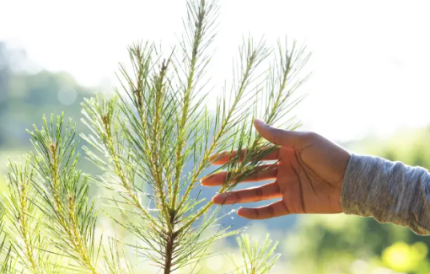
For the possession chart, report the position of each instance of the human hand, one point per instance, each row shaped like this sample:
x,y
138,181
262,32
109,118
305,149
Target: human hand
x,y
308,176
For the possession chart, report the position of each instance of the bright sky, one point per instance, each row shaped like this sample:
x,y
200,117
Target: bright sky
x,y
370,59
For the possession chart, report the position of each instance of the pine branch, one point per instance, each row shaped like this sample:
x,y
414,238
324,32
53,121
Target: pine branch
x,y
254,56
63,193
23,225
257,257
114,259
8,262
242,166
199,15
101,118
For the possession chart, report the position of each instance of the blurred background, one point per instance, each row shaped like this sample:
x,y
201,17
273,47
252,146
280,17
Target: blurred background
x,y
369,92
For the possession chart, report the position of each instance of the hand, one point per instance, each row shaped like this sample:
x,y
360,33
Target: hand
x,y
308,176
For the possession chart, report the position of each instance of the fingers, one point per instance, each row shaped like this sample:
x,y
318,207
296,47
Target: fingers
x,y
266,192
276,209
277,136
224,157
263,173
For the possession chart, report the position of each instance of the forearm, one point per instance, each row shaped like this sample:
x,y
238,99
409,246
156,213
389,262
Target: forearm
x,y
388,191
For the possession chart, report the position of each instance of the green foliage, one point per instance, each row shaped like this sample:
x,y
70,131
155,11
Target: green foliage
x,y
408,146
23,226
62,194
36,93
7,263
142,140
258,258
406,258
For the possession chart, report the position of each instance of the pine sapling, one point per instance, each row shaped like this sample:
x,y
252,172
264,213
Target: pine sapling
x,y
153,142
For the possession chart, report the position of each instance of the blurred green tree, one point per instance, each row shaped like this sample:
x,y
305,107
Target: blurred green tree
x,y
4,80
38,93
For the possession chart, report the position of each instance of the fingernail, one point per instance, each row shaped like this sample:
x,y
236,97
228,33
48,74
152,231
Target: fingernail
x,y
241,210
260,122
221,196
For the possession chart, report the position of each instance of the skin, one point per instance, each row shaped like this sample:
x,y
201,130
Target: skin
x,y
307,179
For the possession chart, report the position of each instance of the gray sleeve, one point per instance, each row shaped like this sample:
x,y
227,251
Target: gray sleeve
x,y
388,191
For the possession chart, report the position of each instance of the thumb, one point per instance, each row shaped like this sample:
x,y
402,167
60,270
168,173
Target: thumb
x,y
277,136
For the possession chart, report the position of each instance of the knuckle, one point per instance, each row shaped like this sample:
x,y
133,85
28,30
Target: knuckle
x,y
236,197
259,193
273,171
310,136
277,135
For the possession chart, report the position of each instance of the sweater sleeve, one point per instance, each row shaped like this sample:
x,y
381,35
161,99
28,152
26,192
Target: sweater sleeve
x,y
388,191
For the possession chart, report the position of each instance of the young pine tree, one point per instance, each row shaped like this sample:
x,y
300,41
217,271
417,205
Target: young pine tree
x,y
153,142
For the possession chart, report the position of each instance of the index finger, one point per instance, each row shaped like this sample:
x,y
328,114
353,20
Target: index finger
x,y
225,156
